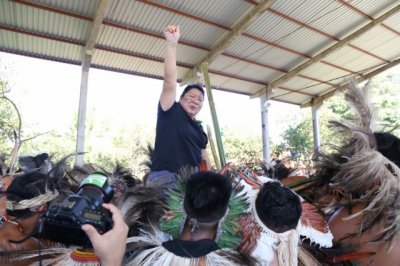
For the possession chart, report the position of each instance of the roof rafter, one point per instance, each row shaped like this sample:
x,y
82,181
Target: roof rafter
x,y
253,14
131,54
139,31
98,20
51,9
302,24
367,16
328,51
179,64
344,86
305,25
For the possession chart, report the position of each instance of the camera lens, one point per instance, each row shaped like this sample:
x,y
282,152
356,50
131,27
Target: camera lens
x,y
96,190
63,223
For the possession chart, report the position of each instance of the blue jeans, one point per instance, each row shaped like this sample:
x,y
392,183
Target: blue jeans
x,y
162,181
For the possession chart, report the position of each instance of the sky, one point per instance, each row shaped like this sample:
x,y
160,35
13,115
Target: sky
x,y
47,95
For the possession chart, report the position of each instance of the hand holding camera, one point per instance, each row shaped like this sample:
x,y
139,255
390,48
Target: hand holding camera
x,y
62,223
114,240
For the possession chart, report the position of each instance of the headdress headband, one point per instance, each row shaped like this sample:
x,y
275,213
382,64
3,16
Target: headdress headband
x,y
33,202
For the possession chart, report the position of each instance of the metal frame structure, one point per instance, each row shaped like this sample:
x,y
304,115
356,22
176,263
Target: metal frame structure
x,y
288,51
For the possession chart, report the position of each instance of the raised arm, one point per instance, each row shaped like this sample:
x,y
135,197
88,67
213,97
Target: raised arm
x,y
168,93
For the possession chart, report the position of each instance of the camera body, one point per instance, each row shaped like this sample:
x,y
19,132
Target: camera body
x,y
62,223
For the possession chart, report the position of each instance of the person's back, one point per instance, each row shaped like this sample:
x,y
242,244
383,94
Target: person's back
x,y
198,227
348,230
365,171
276,212
365,242
389,146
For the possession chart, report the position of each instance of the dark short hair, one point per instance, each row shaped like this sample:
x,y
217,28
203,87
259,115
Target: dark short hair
x,y
278,207
389,146
23,187
193,86
207,196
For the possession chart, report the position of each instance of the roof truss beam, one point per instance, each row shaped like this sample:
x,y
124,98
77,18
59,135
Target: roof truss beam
x,y
232,35
330,50
343,87
158,36
94,32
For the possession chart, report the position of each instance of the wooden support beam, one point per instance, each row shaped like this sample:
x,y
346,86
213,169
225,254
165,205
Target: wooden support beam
x,y
213,111
254,13
87,52
328,51
98,20
343,87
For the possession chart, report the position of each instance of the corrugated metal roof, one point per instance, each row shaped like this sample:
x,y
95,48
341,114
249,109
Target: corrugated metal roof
x,y
226,13
321,72
289,45
371,8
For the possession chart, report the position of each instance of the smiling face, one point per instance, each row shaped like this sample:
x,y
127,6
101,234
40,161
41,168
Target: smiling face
x,y
192,102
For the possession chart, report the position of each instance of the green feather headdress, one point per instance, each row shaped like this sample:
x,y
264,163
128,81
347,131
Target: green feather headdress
x,y
228,232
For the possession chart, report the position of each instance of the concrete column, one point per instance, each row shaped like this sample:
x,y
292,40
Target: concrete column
x,y
315,123
265,128
80,138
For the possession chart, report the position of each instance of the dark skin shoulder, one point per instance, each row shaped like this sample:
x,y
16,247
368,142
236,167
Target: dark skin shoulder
x,y
341,229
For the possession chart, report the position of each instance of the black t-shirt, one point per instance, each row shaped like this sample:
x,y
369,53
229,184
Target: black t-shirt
x,y
189,248
179,140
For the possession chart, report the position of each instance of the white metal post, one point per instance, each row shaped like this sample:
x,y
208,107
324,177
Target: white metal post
x,y
315,123
265,129
80,138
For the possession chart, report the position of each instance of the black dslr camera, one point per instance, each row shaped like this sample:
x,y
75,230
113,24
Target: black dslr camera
x,y
62,223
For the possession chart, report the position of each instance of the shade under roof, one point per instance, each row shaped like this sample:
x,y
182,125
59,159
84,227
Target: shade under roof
x,y
294,51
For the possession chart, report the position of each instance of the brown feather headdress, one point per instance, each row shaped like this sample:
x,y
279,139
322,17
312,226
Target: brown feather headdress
x,y
362,173
261,241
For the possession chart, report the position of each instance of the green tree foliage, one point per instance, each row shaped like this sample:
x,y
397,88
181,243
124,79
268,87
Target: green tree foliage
x,y
299,139
385,95
57,144
339,108
8,114
107,144
242,147
8,123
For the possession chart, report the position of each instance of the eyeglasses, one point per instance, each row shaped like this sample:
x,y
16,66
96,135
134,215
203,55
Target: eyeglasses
x,y
193,97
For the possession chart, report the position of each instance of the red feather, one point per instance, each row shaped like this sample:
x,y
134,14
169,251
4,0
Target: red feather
x,y
225,169
249,181
311,217
351,257
203,166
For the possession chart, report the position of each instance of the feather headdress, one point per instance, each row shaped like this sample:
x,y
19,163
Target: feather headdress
x,y
261,241
141,209
26,193
228,235
157,254
56,255
164,243
362,173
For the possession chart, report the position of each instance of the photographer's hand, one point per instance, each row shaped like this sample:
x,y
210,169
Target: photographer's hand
x,y
109,247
